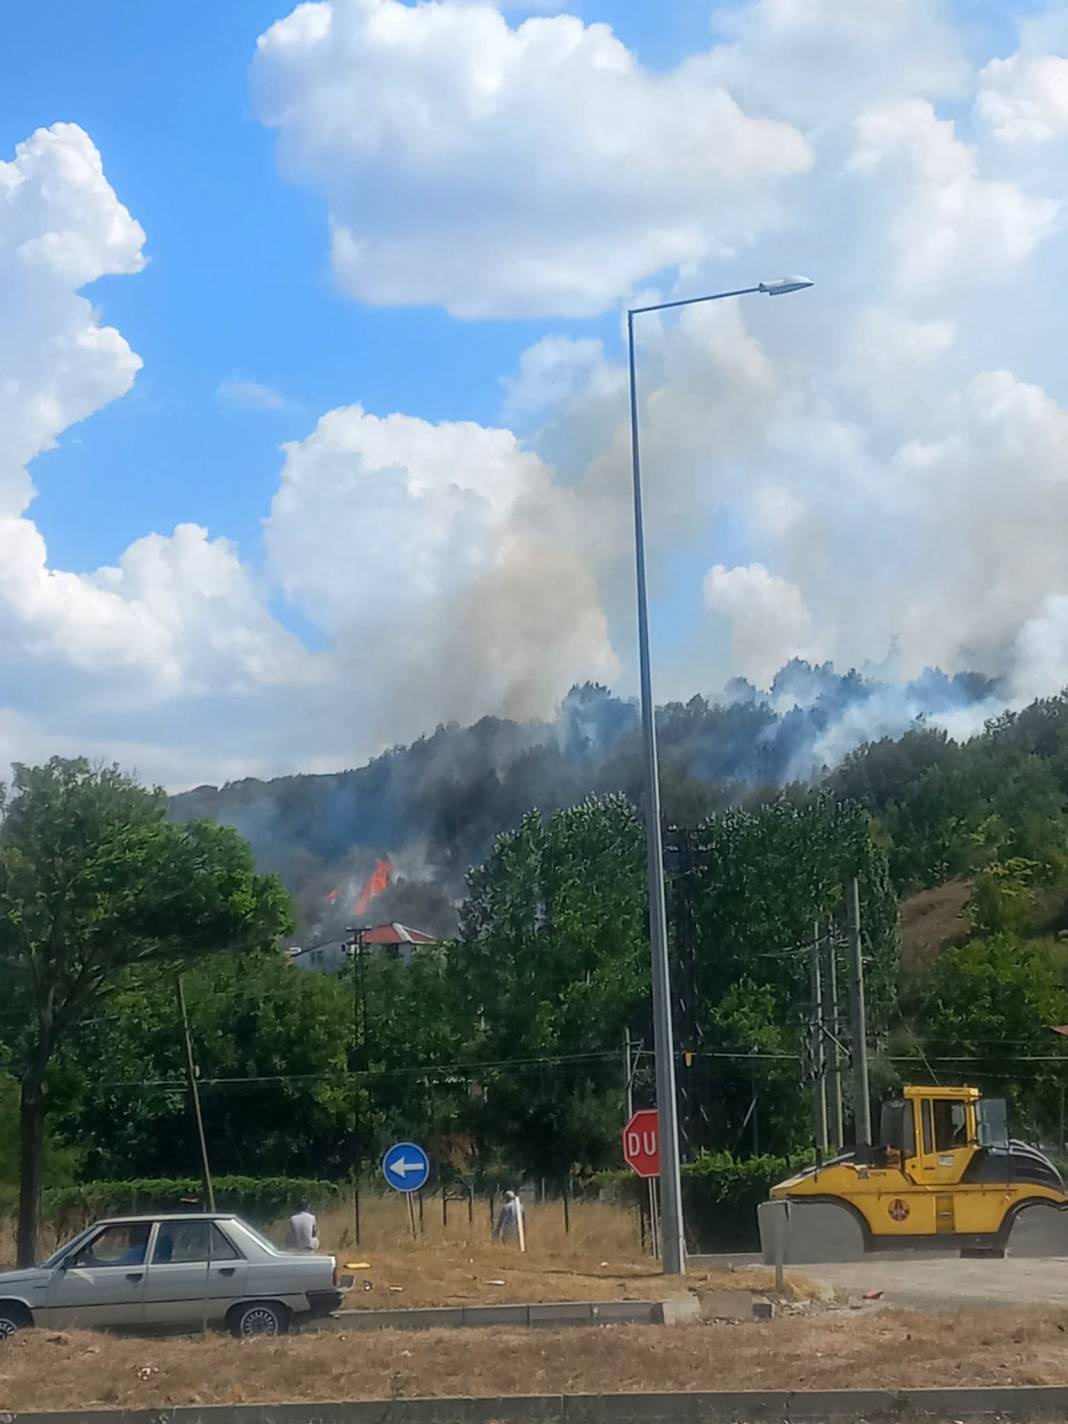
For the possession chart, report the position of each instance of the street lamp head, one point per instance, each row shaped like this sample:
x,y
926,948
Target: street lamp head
x,y
782,285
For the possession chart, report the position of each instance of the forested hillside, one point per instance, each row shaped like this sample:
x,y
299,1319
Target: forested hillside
x,y
435,808
503,1046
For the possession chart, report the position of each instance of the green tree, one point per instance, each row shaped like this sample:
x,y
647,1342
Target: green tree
x,y
416,1040
989,1004
764,880
94,881
272,1046
553,965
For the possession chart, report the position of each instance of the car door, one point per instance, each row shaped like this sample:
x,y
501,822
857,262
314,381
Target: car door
x,y
102,1282
194,1275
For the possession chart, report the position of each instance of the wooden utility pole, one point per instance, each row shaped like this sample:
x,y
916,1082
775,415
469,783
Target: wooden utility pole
x,y
819,1081
861,1100
833,1048
194,1091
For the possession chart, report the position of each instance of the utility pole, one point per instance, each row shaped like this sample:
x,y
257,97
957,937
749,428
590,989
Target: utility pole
x,y
209,1189
358,1056
832,1040
861,1100
628,1074
819,1081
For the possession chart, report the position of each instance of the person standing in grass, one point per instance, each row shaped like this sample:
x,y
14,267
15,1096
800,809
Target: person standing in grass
x,y
303,1234
510,1221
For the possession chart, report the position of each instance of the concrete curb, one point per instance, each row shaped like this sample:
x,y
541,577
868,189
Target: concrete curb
x,y
736,1406
585,1312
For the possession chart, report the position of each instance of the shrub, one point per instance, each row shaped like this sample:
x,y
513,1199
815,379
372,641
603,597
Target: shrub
x,y
261,1200
720,1196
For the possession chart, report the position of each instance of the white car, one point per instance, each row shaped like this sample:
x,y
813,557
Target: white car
x,y
171,1271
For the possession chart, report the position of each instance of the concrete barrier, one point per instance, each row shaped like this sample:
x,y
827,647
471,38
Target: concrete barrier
x,y
1002,1402
480,1317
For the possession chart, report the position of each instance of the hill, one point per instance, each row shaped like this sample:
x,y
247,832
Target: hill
x,y
435,807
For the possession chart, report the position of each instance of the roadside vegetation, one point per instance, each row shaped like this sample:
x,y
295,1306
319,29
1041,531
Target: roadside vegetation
x,y
503,1049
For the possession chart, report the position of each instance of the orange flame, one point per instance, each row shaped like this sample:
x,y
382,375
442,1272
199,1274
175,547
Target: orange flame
x,y
377,882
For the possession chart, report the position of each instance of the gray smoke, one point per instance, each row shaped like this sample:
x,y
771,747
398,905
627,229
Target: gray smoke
x,y
434,808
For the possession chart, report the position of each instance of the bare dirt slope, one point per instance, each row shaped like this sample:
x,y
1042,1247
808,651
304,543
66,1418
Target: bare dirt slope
x,y
41,1371
930,920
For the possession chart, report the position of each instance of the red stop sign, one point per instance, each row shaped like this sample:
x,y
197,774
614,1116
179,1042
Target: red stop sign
x,y
641,1143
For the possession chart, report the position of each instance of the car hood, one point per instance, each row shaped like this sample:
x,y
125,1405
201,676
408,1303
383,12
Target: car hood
x,y
34,1276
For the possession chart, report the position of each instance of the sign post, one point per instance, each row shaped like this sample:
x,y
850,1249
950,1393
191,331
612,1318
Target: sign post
x,y
406,1168
641,1152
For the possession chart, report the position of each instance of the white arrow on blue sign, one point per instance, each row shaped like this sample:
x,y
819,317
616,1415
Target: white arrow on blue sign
x,y
406,1167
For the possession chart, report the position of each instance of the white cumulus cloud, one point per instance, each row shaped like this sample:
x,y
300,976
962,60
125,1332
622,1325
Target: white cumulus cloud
x,y
946,218
61,226
500,171
88,655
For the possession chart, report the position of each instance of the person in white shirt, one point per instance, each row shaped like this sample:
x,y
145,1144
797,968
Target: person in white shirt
x,y
303,1234
508,1222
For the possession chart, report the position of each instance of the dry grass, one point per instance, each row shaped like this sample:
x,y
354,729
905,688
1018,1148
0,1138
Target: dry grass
x,y
885,1349
598,1259
931,920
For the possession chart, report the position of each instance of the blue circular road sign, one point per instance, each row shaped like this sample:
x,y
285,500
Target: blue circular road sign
x,y
406,1167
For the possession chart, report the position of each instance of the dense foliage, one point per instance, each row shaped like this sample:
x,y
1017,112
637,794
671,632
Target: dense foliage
x,y
503,1048
95,883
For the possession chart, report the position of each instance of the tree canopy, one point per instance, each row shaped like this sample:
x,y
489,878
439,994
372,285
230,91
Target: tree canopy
x,y
95,881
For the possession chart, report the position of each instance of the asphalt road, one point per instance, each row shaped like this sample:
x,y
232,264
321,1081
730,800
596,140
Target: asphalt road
x,y
947,1282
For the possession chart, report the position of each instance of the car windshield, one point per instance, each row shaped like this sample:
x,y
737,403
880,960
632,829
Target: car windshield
x,y
70,1245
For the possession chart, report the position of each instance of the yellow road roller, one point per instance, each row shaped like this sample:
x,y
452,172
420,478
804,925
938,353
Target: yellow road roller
x,y
945,1176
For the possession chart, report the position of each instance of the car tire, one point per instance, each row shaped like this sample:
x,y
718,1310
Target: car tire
x,y
12,1319
257,1319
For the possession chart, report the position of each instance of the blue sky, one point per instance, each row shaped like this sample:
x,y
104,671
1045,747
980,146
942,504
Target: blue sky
x,y
909,159
163,91
234,251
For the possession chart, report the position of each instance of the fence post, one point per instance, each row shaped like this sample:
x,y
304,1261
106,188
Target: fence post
x,y
567,1206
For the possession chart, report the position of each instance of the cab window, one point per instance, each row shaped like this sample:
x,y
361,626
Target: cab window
x,y
950,1126
185,1242
123,1245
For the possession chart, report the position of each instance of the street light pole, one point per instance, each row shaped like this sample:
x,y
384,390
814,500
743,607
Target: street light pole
x,y
671,1224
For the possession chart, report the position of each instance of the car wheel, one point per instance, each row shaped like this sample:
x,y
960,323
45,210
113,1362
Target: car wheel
x,y
259,1317
11,1320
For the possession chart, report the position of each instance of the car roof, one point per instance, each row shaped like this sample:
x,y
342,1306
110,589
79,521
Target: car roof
x,y
165,1216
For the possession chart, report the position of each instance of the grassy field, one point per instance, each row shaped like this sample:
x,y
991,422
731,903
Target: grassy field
x,y
599,1258
39,1370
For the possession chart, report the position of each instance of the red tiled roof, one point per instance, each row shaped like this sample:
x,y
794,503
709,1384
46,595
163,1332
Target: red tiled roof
x,y
396,934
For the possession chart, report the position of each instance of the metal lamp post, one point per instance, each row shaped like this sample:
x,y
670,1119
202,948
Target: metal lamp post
x,y
673,1247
